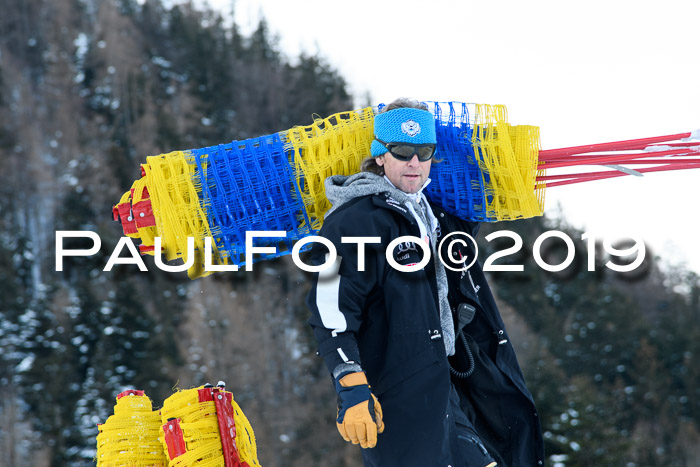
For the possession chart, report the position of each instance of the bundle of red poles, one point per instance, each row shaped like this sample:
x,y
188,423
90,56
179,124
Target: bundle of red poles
x,y
678,153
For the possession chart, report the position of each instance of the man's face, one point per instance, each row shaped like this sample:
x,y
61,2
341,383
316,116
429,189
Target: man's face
x,y
408,177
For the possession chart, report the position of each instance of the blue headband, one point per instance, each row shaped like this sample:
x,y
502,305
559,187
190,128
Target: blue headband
x,y
403,125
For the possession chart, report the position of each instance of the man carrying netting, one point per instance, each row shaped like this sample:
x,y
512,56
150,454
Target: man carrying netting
x,y
420,360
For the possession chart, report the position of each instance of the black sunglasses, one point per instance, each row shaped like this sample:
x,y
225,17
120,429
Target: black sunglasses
x,y
404,152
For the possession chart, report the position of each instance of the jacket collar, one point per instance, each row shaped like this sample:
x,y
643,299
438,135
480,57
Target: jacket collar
x,y
385,200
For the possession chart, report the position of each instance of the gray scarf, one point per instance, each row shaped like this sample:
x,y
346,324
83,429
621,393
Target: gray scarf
x,y
341,189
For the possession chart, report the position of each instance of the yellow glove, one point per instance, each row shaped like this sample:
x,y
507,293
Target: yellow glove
x,y
359,412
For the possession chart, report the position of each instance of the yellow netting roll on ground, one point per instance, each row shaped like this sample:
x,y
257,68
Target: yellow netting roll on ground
x,y
508,158
245,437
332,146
200,429
129,438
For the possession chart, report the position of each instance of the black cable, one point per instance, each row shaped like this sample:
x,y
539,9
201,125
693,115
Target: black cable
x,y
464,374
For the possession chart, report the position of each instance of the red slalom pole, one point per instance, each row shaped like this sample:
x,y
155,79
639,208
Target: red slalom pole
x,y
608,158
660,161
587,177
614,146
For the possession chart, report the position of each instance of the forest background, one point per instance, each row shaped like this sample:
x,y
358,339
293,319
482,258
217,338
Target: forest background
x,y
89,88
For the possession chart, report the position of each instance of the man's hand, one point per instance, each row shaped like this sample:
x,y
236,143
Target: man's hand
x,y
359,413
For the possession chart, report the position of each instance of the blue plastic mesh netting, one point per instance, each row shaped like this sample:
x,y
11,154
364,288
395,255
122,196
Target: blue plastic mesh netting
x,y
249,186
457,182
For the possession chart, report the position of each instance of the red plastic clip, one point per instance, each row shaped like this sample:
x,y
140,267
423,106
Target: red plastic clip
x,y
143,213
227,427
174,438
130,392
127,218
223,401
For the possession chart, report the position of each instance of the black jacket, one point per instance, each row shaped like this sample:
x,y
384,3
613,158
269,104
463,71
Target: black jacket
x,y
388,322
495,397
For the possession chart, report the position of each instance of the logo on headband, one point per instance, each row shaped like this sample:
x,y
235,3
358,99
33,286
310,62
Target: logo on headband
x,y
410,127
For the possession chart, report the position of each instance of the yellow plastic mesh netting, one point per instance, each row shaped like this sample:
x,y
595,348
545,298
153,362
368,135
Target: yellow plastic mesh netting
x,y
332,146
508,158
177,208
200,430
129,438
